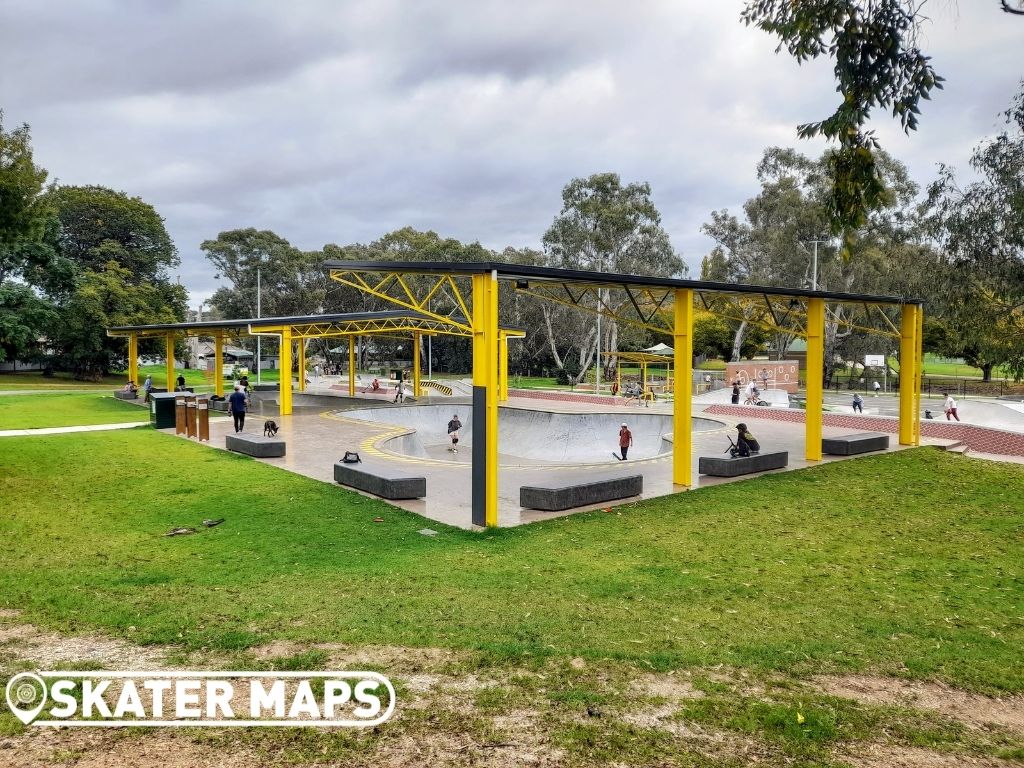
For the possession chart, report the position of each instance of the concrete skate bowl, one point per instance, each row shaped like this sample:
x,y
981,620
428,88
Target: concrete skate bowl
x,y
525,436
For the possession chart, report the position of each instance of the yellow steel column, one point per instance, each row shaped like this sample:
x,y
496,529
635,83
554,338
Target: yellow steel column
x,y
815,376
302,364
285,387
218,364
919,357
351,366
415,364
503,367
485,400
909,412
169,363
133,358
682,405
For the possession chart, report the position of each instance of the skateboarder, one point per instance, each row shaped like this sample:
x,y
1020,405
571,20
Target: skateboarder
x,y
625,441
400,392
858,403
453,432
950,408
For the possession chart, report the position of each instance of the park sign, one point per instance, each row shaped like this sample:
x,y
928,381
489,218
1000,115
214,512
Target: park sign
x,y
874,361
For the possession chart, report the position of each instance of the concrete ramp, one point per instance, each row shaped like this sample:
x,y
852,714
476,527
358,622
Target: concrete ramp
x,y
532,435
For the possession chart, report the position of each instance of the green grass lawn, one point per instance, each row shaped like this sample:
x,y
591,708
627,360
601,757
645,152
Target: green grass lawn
x,y
906,564
14,381
65,410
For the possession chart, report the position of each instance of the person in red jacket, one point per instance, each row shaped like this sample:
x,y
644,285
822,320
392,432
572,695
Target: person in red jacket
x,y
625,441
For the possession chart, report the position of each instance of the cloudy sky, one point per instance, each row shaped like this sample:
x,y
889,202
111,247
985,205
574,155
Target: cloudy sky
x,y
337,121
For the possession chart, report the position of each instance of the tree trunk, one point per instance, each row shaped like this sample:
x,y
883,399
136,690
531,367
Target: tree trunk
x,y
737,342
986,372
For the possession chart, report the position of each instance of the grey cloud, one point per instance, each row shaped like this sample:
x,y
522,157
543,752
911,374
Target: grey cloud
x,y
339,121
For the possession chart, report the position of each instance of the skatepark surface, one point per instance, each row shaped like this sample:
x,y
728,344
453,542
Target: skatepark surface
x,y
527,436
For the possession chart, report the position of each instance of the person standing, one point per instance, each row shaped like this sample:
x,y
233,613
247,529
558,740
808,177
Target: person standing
x,y
736,392
858,403
877,387
625,441
179,383
236,404
147,387
950,408
400,392
453,432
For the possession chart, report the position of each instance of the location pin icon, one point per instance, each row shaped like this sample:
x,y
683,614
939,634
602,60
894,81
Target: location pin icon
x,y
26,696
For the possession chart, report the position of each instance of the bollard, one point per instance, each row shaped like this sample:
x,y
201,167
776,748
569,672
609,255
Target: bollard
x,y
190,416
203,408
179,415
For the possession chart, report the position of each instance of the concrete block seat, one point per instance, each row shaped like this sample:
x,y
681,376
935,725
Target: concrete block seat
x,y
386,482
218,405
724,466
265,387
556,499
122,395
257,446
847,445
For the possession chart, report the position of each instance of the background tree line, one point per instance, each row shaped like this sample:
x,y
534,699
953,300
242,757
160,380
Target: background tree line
x,y
74,260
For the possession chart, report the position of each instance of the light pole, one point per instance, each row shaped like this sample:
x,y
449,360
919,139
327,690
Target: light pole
x,y
814,263
259,348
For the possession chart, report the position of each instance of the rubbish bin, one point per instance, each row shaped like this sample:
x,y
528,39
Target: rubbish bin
x,y
161,410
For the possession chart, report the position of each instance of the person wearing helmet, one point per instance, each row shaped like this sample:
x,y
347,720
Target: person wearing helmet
x,y
625,441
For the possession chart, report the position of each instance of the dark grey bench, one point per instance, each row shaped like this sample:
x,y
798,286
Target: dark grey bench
x,y
381,481
122,395
256,445
218,405
742,465
847,445
265,387
569,496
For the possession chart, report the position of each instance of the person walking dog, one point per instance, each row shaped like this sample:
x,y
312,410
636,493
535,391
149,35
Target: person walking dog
x,y
236,404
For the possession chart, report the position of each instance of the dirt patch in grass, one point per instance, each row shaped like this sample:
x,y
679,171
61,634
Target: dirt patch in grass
x,y
48,649
892,756
971,709
669,686
46,748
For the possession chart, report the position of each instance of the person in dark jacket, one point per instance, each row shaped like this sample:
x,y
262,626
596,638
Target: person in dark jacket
x,y
745,441
736,392
236,404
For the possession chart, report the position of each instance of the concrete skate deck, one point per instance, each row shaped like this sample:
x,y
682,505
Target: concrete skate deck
x,y
526,436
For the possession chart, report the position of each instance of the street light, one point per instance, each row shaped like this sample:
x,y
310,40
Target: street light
x,y
814,268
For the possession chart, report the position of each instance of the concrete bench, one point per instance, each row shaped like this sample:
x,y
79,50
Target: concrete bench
x,y
847,445
122,395
218,405
386,483
265,387
569,496
256,445
742,465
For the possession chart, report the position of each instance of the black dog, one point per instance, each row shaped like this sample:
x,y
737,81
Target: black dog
x,y
269,428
